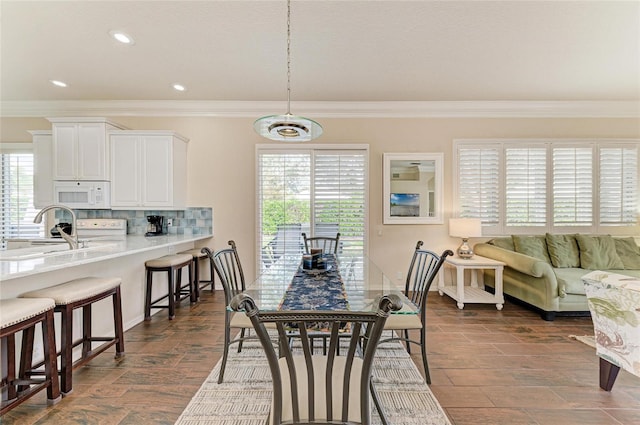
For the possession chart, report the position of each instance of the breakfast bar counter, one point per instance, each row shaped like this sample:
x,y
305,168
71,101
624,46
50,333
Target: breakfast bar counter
x,y
122,257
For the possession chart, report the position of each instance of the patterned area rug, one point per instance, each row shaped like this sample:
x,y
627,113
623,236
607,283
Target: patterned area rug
x,y
586,339
245,396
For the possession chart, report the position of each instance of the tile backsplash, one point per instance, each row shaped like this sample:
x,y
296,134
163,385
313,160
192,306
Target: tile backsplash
x,y
191,221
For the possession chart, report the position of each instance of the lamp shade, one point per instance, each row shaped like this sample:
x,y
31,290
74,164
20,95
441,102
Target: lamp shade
x,y
465,227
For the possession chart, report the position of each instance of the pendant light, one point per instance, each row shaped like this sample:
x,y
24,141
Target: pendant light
x,y
288,127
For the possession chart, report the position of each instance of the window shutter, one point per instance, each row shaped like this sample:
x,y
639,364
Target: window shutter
x,y
478,183
16,210
618,185
526,186
573,186
339,197
319,192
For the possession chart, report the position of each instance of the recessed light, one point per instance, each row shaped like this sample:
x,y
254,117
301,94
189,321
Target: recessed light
x,y
122,37
179,87
58,83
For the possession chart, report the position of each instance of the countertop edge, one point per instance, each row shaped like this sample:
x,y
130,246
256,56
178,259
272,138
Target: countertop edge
x,y
129,246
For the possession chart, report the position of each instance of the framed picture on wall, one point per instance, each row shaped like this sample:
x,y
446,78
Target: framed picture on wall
x,y
413,188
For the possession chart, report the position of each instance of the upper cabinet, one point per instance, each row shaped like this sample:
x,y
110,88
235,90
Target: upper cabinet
x,y
80,148
42,168
148,170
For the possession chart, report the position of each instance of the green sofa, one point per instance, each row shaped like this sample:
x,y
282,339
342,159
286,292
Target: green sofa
x,y
545,271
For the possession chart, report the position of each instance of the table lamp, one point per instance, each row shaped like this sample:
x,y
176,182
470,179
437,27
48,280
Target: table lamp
x,y
465,228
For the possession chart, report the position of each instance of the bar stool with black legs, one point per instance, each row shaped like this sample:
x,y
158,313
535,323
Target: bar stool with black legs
x,y
22,315
176,290
69,296
197,255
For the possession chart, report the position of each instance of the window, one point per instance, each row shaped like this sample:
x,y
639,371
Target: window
x,y
533,186
319,191
17,210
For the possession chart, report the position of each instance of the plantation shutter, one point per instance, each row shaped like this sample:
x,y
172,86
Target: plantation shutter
x,y
573,186
526,181
478,183
16,210
618,185
316,191
339,197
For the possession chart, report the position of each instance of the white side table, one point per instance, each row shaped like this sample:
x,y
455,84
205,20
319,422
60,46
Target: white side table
x,y
474,293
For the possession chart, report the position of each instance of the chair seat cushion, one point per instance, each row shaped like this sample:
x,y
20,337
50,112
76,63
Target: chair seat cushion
x,y
195,252
403,321
169,261
319,370
241,320
16,310
75,290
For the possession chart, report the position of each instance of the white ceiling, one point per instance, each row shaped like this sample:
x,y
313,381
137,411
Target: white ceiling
x,y
341,51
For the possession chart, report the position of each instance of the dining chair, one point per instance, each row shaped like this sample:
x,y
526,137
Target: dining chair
x,y
328,244
226,263
312,388
423,270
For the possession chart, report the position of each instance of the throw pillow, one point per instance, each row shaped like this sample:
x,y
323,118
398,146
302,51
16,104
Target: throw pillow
x,y
503,242
629,252
533,246
563,250
598,253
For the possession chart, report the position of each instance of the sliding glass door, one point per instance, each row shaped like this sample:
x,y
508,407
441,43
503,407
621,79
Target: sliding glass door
x,y
319,191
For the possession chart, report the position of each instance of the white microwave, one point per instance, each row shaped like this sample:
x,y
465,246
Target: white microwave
x,y
82,194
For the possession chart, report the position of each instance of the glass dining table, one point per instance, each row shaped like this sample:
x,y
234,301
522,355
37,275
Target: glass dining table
x,y
349,282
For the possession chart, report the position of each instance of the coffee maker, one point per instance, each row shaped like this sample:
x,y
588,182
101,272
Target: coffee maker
x,y
154,228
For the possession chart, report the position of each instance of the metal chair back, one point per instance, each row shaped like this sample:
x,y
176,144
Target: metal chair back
x,y
298,373
329,245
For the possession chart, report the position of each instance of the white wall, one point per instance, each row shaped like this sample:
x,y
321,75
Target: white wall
x,y
221,158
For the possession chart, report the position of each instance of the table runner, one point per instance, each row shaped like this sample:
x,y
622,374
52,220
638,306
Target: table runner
x,y
316,289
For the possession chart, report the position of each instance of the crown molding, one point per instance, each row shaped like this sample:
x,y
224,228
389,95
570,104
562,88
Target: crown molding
x,y
242,109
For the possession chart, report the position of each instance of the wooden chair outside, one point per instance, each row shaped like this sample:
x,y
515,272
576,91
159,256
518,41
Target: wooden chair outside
x,y
329,245
423,270
316,389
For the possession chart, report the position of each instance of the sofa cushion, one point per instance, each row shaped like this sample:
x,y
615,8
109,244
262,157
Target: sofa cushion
x,y
503,242
598,253
563,250
629,252
570,281
533,246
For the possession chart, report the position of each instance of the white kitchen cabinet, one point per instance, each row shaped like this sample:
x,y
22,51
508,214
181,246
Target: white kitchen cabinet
x,y
148,170
80,148
42,168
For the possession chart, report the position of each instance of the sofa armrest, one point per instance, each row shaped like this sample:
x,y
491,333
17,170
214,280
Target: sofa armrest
x,y
523,263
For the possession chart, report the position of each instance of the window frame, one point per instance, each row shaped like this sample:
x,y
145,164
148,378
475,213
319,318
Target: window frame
x,y
550,143
21,149
309,148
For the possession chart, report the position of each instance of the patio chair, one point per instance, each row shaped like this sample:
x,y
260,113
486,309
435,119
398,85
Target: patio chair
x,y
423,269
326,243
310,388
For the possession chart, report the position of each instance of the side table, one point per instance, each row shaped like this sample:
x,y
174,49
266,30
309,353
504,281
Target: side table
x,y
474,293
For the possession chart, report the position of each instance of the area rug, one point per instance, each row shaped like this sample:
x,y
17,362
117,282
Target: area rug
x,y
245,396
586,339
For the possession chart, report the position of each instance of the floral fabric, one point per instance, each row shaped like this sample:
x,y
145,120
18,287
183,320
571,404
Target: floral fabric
x,y
614,302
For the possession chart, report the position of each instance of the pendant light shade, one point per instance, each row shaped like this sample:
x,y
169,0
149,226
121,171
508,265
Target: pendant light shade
x,y
288,127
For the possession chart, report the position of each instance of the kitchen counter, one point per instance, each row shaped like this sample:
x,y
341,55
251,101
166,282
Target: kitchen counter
x,y
116,247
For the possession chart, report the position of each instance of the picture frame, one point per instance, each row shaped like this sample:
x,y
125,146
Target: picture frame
x,y
413,188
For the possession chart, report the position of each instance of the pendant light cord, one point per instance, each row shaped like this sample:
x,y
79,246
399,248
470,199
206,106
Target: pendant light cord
x,y
288,57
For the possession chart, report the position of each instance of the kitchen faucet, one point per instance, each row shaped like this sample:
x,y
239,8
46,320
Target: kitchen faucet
x,y
71,239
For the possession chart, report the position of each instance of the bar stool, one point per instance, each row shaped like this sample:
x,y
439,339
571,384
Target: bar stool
x,y
23,315
172,265
69,296
197,255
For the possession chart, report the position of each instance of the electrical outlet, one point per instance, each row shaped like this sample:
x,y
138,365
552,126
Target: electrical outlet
x,y
169,222
399,276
